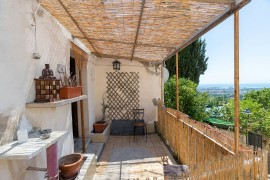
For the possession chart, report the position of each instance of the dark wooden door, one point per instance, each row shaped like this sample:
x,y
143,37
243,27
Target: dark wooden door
x,y
74,106
255,140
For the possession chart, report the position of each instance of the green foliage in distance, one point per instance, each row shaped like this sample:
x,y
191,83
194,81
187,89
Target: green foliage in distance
x,y
191,61
215,101
190,102
260,121
257,102
262,97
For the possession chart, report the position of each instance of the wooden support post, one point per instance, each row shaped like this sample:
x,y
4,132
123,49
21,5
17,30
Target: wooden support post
x,y
177,94
82,116
162,85
236,82
254,167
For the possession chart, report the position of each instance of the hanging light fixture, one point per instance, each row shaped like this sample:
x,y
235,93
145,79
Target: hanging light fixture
x,y
36,54
116,65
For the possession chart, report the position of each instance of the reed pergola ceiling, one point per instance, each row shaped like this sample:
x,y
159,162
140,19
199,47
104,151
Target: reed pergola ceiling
x,y
142,30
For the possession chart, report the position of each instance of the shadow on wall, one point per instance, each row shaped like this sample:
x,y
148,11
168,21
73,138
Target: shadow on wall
x,y
3,126
8,126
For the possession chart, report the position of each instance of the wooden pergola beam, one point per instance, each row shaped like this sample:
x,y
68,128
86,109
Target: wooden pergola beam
x,y
208,27
119,57
215,1
138,29
236,82
129,43
77,25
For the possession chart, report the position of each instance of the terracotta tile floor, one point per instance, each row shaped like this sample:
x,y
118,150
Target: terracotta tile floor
x,y
123,158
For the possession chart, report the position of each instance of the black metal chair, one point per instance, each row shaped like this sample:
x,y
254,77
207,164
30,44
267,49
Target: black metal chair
x,y
138,115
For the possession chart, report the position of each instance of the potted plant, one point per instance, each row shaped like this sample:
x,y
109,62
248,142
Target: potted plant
x,y
70,87
100,126
70,165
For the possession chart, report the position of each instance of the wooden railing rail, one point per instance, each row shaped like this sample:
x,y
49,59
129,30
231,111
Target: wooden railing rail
x,y
208,152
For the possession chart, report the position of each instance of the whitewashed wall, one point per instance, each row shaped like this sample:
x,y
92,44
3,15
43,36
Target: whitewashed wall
x,y
149,86
17,71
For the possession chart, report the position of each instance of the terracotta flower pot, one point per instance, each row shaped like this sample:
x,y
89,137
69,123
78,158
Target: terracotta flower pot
x,y
70,92
100,126
70,165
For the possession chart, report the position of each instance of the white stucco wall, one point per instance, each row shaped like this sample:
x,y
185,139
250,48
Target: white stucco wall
x,y
149,86
17,71
91,92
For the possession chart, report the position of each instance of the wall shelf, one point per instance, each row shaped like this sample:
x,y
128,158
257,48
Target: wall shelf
x,y
30,148
56,103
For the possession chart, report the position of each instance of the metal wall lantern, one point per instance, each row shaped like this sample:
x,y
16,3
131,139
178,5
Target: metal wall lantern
x,y
116,65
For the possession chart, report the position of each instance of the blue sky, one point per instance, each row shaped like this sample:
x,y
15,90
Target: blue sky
x,y
254,47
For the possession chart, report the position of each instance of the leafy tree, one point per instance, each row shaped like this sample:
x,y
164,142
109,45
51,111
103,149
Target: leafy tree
x,y
190,102
215,101
259,105
260,96
216,112
254,120
191,61
265,126
258,121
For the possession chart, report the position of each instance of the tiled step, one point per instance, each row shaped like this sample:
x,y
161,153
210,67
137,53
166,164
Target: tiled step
x,y
95,148
78,144
93,152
